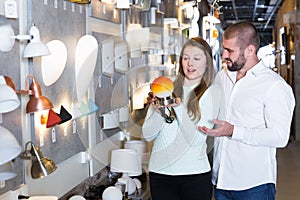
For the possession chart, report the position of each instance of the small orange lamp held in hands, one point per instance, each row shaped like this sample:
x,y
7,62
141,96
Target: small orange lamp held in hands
x,y
162,87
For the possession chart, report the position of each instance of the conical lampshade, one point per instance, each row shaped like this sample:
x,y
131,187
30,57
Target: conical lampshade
x,y
37,101
41,166
35,47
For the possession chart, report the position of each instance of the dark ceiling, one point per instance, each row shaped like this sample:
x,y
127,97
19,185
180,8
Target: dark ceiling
x,y
262,13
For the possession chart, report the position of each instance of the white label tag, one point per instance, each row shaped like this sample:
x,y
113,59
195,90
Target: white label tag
x,y
11,10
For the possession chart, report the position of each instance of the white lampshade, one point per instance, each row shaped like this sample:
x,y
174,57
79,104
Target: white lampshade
x,y
9,146
7,171
126,161
35,47
8,97
6,40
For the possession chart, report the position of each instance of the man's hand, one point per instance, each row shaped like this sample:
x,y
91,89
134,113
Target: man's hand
x,y
222,128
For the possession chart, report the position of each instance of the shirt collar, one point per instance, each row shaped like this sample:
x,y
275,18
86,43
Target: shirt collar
x,y
258,69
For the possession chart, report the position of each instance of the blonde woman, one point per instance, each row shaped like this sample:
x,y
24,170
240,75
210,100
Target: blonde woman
x,y
179,168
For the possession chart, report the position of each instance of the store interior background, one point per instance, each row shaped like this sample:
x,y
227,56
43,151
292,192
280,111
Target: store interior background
x,y
83,154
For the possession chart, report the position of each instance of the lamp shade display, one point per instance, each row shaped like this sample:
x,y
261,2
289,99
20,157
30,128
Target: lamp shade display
x,y
8,97
9,146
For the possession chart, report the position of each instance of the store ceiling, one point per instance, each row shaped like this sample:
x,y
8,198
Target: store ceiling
x,y
262,13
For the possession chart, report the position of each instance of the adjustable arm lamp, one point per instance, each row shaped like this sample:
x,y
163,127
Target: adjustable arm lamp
x,y
34,48
41,166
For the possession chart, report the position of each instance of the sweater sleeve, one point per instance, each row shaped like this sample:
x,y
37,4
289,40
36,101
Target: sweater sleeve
x,y
153,124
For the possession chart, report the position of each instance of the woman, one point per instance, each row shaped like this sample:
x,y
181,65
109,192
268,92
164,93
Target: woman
x,y
179,168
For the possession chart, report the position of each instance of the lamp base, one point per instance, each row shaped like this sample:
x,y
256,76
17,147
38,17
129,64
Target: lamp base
x,y
130,184
164,101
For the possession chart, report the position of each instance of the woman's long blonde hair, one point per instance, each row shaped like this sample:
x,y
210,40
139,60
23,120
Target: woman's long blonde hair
x,y
207,78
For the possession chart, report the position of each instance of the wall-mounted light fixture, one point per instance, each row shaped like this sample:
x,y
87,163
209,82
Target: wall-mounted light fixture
x,y
37,101
41,166
34,48
8,97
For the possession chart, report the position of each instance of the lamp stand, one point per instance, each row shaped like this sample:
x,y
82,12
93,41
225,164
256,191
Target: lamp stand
x,y
129,183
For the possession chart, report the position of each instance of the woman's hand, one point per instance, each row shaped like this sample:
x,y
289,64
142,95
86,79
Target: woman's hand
x,y
176,103
151,100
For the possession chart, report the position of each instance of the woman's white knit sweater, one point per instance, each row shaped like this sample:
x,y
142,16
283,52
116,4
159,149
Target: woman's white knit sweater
x,y
180,148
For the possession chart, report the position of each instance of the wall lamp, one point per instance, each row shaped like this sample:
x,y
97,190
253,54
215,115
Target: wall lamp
x,y
34,48
41,166
37,102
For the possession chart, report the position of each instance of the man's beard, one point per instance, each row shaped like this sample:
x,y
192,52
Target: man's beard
x,y
238,64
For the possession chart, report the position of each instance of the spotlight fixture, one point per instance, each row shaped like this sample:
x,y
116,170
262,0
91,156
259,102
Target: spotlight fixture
x,y
41,166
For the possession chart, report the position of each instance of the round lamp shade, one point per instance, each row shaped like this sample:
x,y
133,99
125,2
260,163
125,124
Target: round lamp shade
x,y
162,87
6,40
112,193
9,146
7,171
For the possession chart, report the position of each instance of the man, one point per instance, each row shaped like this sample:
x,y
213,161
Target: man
x,y
258,110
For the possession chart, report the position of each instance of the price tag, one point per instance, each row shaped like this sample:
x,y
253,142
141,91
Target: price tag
x,y
11,10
